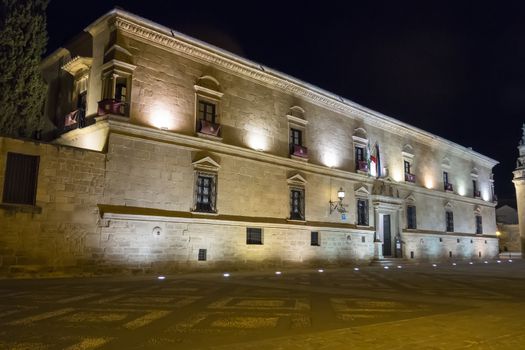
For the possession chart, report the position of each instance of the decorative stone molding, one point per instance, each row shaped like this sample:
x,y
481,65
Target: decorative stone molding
x,y
296,180
166,38
78,65
206,164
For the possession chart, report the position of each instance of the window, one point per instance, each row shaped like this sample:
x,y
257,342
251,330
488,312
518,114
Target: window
x,y
296,137
121,89
479,225
205,193
297,204
253,235
207,111
407,167
314,238
449,221
202,255
359,154
362,212
445,178
21,176
411,217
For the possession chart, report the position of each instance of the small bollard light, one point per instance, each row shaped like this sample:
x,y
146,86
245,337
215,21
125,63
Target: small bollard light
x,y
356,268
278,272
471,263
226,274
386,267
399,266
434,265
498,261
320,270
161,277
510,260
485,262
454,264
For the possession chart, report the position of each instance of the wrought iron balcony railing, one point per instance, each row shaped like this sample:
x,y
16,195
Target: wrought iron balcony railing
x,y
209,128
362,165
410,177
299,151
112,106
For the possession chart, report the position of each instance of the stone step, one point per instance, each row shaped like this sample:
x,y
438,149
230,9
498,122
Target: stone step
x,y
389,262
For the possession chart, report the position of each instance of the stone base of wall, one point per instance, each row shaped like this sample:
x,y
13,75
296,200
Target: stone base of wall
x,y
444,247
153,246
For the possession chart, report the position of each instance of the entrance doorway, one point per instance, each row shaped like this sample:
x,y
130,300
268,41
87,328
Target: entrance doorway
x,y
387,236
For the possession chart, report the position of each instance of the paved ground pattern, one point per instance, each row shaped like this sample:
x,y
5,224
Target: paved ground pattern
x,y
478,306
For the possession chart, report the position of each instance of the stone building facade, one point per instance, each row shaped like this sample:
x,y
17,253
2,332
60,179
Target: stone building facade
x,y
170,153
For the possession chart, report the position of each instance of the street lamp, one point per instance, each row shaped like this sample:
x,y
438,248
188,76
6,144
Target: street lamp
x,y
339,206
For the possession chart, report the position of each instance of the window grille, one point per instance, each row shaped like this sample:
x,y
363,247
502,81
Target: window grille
x,y
205,193
362,212
202,254
411,217
297,204
21,177
314,238
449,221
253,235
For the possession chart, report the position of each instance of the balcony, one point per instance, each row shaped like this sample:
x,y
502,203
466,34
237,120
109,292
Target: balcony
x,y
362,166
477,194
449,187
75,119
209,128
299,151
112,106
410,178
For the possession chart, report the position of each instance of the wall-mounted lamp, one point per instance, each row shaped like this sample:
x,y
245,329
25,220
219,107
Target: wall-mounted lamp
x,y
339,206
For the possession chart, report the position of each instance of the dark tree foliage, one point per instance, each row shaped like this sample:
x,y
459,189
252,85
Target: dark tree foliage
x,y
23,40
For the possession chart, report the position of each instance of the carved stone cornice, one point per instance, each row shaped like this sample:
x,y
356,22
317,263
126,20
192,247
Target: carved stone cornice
x,y
166,38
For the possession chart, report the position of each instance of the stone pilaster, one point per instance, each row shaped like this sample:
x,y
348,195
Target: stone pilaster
x,y
519,183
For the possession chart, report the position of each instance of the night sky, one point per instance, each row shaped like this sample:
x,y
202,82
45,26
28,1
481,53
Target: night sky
x,y
455,70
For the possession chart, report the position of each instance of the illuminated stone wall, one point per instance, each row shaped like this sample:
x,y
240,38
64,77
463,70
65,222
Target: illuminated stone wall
x,y
136,245
63,224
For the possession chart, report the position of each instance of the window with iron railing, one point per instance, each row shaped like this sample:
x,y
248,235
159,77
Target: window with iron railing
x,y
205,193
297,204
411,217
449,218
362,212
254,235
479,225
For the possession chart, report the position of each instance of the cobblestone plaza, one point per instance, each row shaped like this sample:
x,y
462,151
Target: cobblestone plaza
x,y
475,306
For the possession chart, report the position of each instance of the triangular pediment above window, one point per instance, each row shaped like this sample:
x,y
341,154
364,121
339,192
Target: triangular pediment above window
x,y
296,180
362,191
410,198
206,163
448,205
474,173
477,210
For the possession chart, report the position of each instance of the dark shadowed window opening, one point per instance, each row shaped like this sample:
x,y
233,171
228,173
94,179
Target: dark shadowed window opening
x,y
449,216
314,238
362,212
21,176
253,235
202,254
411,217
